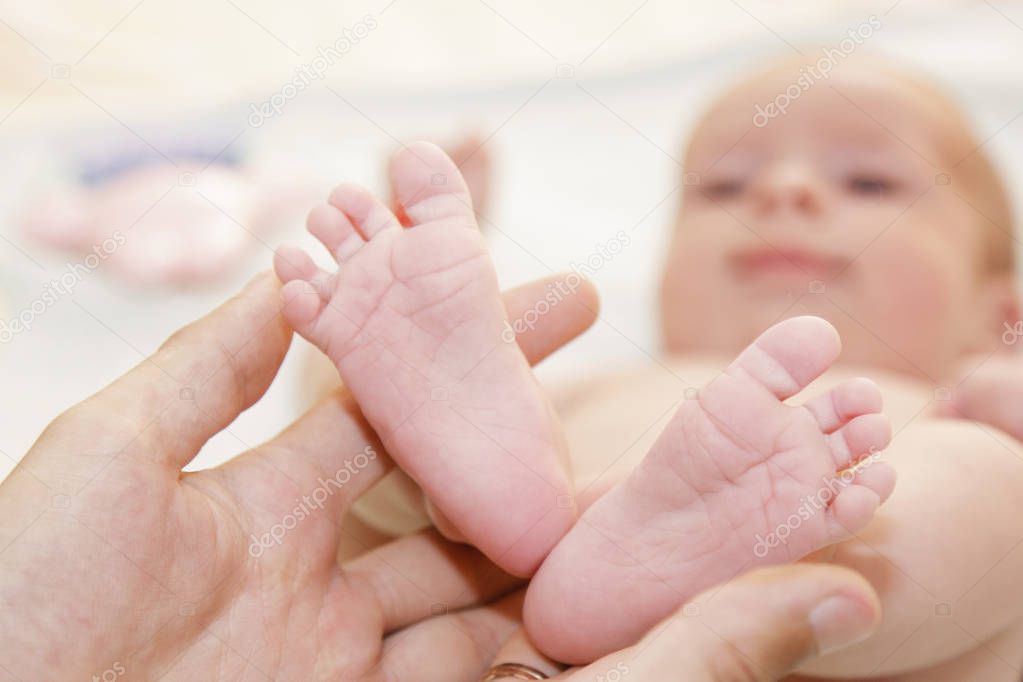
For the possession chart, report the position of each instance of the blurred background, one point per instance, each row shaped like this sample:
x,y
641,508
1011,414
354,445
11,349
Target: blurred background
x,y
155,153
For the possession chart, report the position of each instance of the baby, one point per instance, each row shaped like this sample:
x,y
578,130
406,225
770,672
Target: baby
x,y
867,205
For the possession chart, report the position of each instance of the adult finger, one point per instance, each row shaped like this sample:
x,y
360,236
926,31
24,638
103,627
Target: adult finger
x,y
756,628
548,313
199,380
424,575
454,646
518,649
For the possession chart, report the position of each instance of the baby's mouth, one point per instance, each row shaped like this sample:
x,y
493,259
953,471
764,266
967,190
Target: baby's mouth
x,y
782,261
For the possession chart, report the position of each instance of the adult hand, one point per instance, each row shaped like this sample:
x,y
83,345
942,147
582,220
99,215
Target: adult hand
x,y
756,628
116,564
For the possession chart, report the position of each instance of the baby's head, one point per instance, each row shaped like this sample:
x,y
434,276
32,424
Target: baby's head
x,y
866,202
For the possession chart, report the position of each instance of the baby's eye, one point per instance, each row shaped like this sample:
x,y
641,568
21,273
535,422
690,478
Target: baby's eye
x,y
871,185
723,189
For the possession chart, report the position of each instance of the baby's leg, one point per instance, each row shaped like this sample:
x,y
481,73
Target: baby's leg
x,y
414,322
738,479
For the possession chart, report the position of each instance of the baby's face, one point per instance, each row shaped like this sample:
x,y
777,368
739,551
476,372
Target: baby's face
x,y
834,208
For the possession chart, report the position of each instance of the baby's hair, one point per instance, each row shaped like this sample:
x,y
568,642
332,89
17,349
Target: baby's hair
x,y
994,210
970,166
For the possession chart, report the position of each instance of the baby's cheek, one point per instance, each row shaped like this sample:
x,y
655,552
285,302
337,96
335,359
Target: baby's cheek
x,y
683,266
918,290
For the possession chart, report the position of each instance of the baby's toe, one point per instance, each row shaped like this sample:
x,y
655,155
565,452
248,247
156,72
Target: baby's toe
x,y
302,306
878,476
291,263
864,435
851,511
844,402
789,355
368,214
429,187
306,290
335,231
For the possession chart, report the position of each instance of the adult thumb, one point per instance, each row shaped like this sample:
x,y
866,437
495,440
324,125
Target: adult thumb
x,y
755,628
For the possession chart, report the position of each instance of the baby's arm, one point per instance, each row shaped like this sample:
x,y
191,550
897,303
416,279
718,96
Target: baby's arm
x,y
944,552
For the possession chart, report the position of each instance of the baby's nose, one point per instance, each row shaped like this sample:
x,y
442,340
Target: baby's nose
x,y
788,186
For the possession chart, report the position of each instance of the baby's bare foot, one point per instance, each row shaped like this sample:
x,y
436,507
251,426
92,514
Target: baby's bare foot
x,y
738,479
414,322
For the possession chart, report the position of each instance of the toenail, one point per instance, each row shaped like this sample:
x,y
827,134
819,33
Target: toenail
x,y
692,393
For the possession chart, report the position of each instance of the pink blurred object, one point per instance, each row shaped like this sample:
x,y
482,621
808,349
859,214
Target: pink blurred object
x,y
180,224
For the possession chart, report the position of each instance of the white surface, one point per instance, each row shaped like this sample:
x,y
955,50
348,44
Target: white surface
x,y
142,54
577,159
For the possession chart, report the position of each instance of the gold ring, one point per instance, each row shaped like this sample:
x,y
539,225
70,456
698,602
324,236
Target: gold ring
x,y
515,671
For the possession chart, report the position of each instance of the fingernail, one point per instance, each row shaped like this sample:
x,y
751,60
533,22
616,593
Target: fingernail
x,y
841,621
